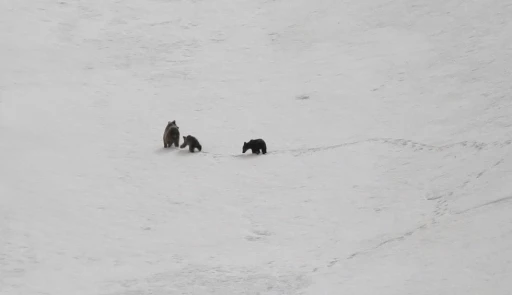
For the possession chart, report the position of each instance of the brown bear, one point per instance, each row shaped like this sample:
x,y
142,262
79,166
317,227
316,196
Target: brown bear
x,y
171,134
192,143
255,145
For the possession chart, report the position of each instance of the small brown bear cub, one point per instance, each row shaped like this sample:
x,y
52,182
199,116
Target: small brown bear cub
x,y
192,143
256,145
171,134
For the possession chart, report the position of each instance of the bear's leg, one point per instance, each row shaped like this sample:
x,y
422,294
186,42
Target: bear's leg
x,y
264,149
165,144
191,148
177,142
199,148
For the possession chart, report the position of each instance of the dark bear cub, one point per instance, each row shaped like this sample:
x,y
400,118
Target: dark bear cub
x,y
192,143
171,134
256,145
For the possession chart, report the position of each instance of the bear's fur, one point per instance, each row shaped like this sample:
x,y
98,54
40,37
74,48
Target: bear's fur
x,y
171,134
256,145
192,143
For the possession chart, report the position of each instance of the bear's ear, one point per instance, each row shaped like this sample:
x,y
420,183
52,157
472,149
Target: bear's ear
x,y
174,121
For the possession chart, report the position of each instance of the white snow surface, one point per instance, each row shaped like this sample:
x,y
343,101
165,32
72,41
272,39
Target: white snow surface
x,y
388,124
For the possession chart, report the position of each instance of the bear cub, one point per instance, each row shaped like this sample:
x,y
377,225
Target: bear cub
x,y
192,143
256,145
171,134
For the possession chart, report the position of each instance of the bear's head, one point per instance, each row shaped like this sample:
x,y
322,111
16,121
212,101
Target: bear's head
x,y
245,147
185,142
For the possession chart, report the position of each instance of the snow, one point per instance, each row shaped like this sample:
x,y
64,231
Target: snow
x,y
387,122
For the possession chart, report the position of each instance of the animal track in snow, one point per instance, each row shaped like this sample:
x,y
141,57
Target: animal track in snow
x,y
387,241
416,146
498,201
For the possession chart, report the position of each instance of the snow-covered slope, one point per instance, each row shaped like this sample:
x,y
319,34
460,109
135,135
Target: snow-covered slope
x,y
388,126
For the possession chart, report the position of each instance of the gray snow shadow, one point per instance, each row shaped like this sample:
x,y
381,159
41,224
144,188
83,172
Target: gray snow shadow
x,y
186,152
163,150
244,156
248,156
215,280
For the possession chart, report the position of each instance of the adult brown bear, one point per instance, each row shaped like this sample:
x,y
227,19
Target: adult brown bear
x,y
171,134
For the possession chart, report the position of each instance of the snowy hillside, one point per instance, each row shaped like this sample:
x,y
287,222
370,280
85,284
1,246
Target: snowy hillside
x,y
388,125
